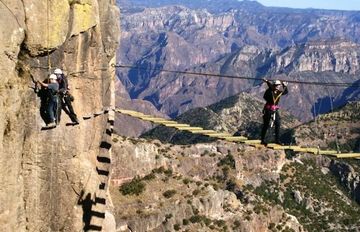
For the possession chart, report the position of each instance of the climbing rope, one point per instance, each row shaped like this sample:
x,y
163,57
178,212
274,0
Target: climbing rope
x,y
336,130
11,13
334,84
338,84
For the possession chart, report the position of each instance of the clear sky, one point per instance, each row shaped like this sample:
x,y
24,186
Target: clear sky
x,y
319,4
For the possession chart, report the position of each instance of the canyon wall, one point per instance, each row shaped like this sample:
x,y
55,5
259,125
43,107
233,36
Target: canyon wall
x,y
47,176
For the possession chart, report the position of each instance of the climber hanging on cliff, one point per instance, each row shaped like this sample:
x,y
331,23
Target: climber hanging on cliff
x,y
49,99
270,112
42,94
65,97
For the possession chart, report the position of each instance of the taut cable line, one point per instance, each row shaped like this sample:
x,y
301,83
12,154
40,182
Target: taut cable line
x,y
11,13
335,84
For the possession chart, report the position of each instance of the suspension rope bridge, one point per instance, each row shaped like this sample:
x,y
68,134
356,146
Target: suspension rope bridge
x,y
219,135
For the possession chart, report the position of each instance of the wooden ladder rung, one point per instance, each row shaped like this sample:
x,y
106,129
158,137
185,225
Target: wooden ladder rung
x,y
235,138
257,145
272,145
217,135
177,125
252,141
348,155
327,152
205,132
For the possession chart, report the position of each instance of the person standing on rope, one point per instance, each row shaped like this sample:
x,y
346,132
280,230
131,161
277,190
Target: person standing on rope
x,y
50,93
270,112
65,97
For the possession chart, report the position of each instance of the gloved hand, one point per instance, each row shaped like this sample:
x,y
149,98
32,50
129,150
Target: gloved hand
x,y
285,83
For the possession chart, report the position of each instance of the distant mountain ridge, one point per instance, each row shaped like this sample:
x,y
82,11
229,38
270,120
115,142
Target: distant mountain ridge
x,y
214,6
247,40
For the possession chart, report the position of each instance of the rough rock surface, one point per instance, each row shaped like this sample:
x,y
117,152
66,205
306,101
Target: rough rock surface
x,y
226,186
198,202
43,173
337,130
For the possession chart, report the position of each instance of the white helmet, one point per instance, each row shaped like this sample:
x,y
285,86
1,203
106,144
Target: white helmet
x,y
53,77
58,71
277,82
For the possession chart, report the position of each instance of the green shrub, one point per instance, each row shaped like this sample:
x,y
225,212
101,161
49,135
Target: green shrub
x,y
228,160
135,187
177,227
139,211
220,223
196,192
150,176
168,172
195,219
236,224
159,170
169,193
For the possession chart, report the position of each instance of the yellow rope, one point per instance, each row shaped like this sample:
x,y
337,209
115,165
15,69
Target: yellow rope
x,y
48,35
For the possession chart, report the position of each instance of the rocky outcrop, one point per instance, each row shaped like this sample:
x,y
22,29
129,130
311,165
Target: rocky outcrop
x,y
338,130
199,178
349,178
45,173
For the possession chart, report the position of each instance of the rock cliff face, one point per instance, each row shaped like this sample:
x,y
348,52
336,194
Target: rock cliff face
x,y
45,175
338,130
246,40
186,187
223,186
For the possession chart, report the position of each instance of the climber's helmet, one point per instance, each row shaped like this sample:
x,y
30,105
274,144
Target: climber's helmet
x,y
53,77
277,82
58,71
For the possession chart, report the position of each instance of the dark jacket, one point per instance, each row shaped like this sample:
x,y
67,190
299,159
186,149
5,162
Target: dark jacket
x,y
271,97
63,84
53,89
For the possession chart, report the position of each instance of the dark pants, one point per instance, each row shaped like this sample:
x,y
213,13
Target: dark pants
x,y
266,118
67,107
44,112
52,109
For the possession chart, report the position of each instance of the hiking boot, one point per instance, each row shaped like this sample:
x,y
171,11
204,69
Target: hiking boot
x,y
263,143
75,122
52,124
